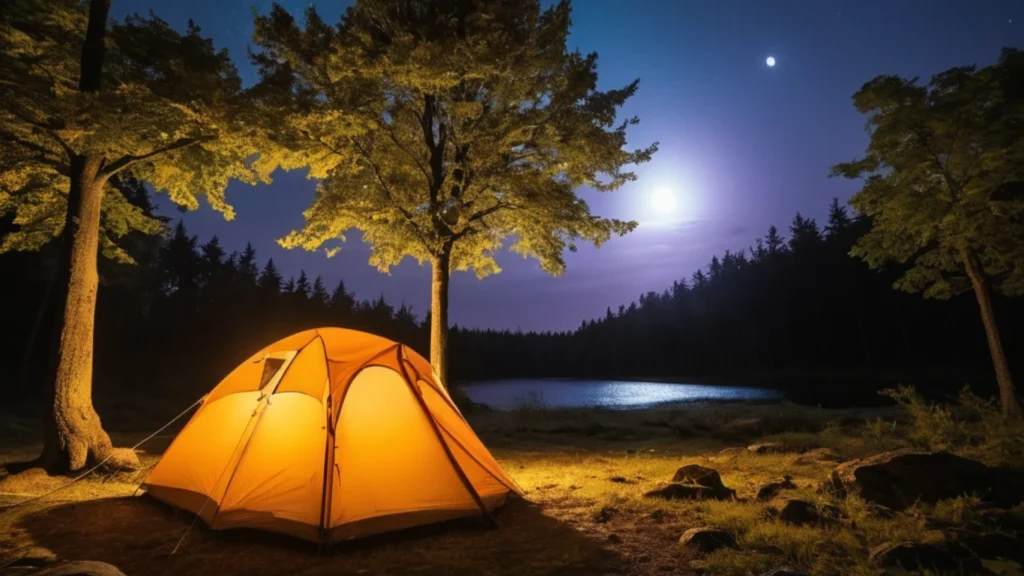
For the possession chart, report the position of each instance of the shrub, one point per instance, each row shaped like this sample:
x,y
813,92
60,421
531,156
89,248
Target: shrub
x,y
973,426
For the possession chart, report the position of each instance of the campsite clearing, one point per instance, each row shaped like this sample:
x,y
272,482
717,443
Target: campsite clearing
x,y
585,473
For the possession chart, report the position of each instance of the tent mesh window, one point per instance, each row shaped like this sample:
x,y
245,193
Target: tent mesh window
x,y
271,366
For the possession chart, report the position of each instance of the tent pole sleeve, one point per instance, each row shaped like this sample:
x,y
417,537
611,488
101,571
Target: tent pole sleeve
x,y
444,445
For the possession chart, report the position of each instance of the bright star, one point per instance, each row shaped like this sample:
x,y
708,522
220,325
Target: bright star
x,y
770,61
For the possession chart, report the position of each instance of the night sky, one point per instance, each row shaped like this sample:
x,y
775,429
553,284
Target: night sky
x,y
743,145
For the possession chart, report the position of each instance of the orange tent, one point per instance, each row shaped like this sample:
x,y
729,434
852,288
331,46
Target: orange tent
x,y
328,435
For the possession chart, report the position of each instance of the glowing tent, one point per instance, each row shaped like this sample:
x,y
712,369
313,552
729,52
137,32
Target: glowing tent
x,y
328,435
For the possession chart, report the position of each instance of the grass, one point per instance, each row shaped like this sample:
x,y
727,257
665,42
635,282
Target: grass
x,y
584,472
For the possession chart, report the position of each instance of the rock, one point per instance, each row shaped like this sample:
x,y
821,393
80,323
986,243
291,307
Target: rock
x,y
784,571
799,512
619,480
900,478
818,455
766,448
700,475
707,539
605,514
83,568
614,539
677,491
769,490
918,557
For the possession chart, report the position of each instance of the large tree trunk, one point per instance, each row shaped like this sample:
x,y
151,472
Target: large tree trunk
x,y
439,315
73,432
1007,391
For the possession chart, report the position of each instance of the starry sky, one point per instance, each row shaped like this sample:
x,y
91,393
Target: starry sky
x,y
743,145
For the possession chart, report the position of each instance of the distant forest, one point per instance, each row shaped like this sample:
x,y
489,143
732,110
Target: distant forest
x,y
794,310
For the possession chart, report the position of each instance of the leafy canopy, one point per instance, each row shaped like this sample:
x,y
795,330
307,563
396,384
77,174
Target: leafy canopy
x,y
944,172
169,113
444,128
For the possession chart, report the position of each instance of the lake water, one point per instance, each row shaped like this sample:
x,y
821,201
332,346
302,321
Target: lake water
x,y
508,394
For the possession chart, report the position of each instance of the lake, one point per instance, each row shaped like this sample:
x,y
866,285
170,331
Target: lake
x,y
508,394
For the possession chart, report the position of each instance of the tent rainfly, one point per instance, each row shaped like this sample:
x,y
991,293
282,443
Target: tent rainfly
x,y
329,435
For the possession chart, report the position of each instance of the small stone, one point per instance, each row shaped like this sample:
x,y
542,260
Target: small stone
x,y
769,490
614,539
605,514
697,474
707,539
677,491
619,480
799,512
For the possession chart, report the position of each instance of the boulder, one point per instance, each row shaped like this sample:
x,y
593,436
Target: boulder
x,y
678,491
784,571
706,539
769,490
799,512
924,556
83,568
898,479
702,476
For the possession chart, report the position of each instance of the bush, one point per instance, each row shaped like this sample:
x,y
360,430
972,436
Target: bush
x,y
973,427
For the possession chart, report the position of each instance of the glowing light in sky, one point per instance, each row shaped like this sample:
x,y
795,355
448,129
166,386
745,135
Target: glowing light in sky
x,y
663,200
770,61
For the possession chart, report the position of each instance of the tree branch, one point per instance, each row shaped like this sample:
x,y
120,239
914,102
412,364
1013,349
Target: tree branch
x,y
129,159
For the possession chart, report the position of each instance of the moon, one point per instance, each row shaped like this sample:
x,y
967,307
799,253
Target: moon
x,y
663,200
770,61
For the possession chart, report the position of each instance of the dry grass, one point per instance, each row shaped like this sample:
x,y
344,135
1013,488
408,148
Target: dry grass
x,y
576,519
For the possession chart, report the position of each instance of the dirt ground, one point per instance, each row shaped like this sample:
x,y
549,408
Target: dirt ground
x,y
584,472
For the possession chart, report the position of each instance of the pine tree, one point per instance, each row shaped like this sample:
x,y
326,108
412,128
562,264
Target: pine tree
x,y
270,280
319,296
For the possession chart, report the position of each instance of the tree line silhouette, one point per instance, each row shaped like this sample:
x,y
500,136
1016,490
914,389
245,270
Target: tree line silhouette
x,y
793,310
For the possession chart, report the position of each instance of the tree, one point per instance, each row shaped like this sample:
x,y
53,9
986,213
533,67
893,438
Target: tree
x,y
319,294
443,128
81,106
944,187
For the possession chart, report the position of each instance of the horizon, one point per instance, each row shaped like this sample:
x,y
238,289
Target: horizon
x,y
734,165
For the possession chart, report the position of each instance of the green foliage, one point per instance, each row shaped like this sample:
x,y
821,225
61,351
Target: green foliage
x,y
944,174
170,113
444,128
974,426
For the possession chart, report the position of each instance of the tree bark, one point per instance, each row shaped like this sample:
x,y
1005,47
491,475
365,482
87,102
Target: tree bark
x,y
440,274
1007,390
73,432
